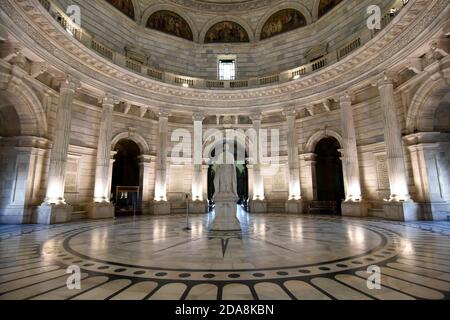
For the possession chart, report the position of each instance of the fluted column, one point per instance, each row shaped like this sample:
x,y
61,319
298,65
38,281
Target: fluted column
x,y
294,203
258,182
161,158
101,192
197,177
350,159
145,191
61,139
293,161
102,208
393,139
54,209
258,203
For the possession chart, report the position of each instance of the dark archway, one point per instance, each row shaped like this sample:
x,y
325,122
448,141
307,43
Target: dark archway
x,y
125,6
329,174
241,175
171,23
326,6
283,21
226,32
125,177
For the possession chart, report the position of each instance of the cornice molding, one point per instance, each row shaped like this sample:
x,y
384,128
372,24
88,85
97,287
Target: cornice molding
x,y
45,37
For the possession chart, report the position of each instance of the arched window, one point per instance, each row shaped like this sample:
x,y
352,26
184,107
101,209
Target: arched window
x,y
171,23
326,6
282,21
226,32
126,6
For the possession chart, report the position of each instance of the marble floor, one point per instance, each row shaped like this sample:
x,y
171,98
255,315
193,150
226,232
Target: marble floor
x,y
275,257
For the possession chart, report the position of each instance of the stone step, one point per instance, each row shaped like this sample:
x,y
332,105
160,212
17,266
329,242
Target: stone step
x,y
79,215
376,212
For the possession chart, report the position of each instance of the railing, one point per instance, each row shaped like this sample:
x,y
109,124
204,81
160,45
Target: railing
x,y
298,73
143,69
268,80
184,81
349,48
215,84
319,64
239,84
155,74
101,49
134,65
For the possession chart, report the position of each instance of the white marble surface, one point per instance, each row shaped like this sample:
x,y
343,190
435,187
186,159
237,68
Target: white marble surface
x,y
275,257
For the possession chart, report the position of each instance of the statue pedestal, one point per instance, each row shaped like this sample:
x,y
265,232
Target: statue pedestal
x,y
53,214
402,211
104,210
354,209
225,218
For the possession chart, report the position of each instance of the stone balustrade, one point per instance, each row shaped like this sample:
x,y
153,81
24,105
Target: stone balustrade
x,y
185,81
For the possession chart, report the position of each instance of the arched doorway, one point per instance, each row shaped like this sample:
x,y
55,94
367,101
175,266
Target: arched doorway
x,y
125,178
241,173
329,174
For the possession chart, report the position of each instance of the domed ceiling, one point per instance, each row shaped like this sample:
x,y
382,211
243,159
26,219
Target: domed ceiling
x,y
289,17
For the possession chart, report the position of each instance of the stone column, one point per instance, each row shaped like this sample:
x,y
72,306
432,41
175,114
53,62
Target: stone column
x,y
294,203
22,167
400,206
309,161
198,204
205,168
161,206
110,171
55,209
145,193
430,160
353,204
102,208
258,204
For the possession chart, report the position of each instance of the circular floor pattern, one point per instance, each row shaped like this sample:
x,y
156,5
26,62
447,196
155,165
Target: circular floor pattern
x,y
278,246
277,256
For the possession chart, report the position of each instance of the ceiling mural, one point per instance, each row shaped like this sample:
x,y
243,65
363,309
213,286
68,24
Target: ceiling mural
x,y
171,23
226,32
327,5
126,6
283,21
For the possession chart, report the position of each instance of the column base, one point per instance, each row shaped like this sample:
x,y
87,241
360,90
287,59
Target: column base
x,y
294,206
402,211
355,209
147,208
104,210
161,207
198,207
15,215
436,211
258,206
225,218
53,214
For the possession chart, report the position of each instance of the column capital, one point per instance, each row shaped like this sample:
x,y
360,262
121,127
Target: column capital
x,y
290,112
145,158
164,114
386,79
256,117
346,97
109,100
70,83
198,117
